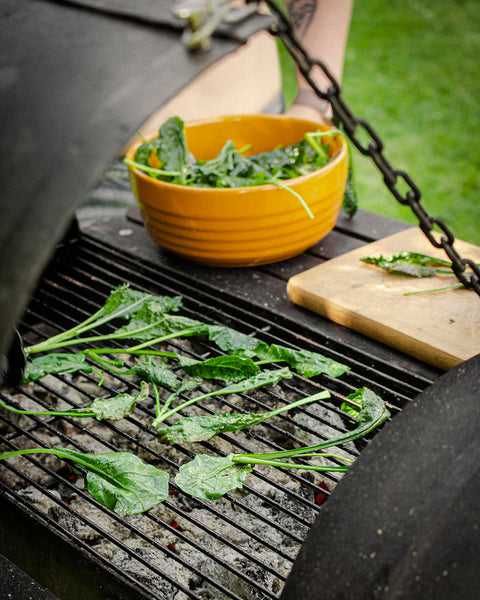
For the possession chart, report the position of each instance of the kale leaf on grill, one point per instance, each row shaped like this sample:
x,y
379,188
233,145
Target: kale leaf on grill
x,y
114,408
267,377
118,480
208,477
150,322
54,363
198,429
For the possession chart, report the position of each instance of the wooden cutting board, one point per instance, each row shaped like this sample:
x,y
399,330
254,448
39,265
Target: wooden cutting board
x,y
440,328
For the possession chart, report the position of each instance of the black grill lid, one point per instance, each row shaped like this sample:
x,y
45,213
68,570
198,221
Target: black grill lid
x,y
405,520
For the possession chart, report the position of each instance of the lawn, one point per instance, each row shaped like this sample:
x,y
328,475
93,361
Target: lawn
x,y
412,71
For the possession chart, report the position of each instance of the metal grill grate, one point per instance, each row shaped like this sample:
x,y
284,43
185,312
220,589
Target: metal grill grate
x,y
239,547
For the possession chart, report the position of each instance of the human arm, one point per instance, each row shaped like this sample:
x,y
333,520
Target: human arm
x,y
322,27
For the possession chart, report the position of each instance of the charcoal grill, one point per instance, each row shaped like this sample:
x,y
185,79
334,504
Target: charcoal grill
x,y
248,541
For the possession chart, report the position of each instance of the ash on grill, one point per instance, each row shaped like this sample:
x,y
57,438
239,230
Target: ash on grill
x,y
240,546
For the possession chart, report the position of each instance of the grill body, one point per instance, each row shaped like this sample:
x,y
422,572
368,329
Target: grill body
x,y
242,546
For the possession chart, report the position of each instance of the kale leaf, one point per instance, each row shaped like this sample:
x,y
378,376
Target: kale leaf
x,y
210,477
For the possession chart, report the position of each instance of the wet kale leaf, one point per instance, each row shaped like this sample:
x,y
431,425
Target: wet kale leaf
x,y
228,368
202,428
210,477
120,480
115,408
54,363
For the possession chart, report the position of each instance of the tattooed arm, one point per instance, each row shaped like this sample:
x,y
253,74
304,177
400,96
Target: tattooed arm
x,y
322,26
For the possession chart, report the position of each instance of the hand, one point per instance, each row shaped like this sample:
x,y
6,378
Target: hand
x,y
307,105
309,113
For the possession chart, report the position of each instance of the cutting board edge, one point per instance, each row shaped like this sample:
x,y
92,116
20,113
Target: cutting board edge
x,y
348,317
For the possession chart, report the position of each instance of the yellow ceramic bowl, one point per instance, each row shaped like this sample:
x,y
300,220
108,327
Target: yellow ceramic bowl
x,y
238,227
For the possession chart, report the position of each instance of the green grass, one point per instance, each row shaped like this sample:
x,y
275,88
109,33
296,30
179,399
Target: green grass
x,y
411,70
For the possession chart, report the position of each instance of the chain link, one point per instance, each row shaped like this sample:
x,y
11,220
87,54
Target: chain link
x,y
358,129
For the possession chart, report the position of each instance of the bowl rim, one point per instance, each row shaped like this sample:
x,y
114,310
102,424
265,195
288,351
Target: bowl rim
x,y
338,156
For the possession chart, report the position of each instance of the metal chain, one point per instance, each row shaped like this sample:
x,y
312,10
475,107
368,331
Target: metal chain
x,y
357,129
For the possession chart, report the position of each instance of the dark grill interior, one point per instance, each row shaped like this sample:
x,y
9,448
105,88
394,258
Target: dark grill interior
x,y
241,546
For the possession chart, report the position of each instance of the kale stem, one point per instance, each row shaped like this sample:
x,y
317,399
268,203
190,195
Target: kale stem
x,y
245,459
139,347
115,336
161,411
454,286
27,451
110,316
133,351
168,336
324,455
313,143
73,456
296,194
57,413
151,170
77,458
111,365
166,415
363,430
244,148
64,335
77,341
157,400
64,339
311,139
159,417
319,396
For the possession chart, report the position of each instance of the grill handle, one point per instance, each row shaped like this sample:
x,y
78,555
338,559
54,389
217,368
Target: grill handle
x,y
12,365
